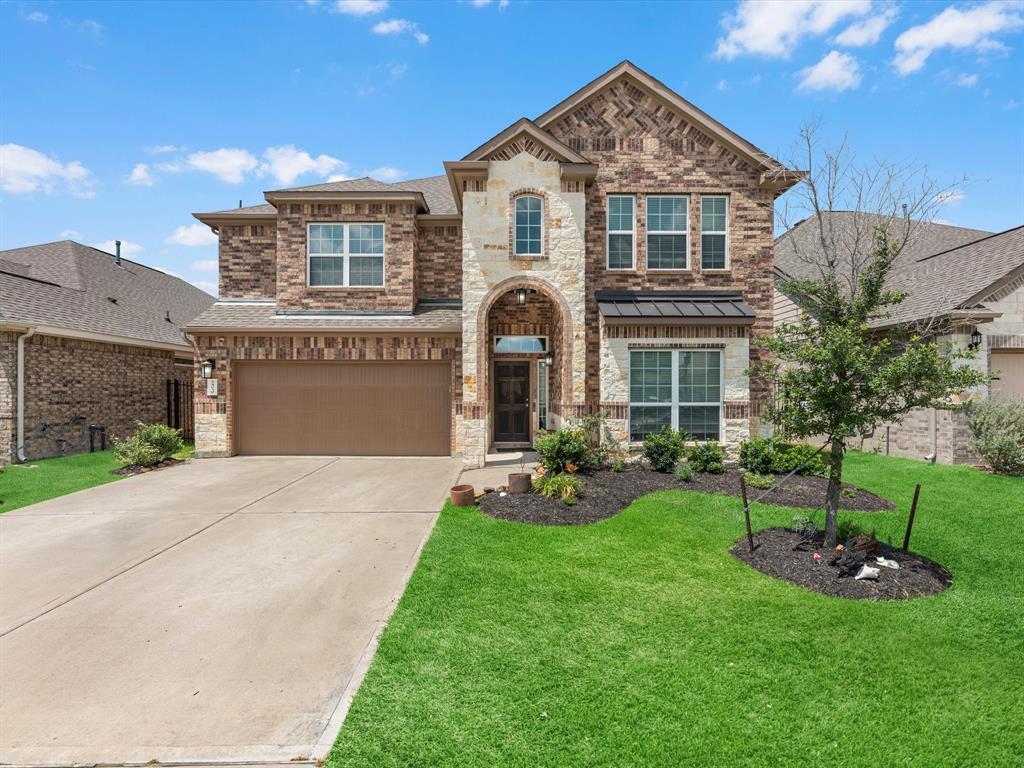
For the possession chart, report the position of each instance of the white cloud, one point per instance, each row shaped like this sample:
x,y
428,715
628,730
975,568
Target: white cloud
x,y
162,268
776,27
338,177
71,234
174,167
386,173
230,165
868,31
205,265
127,248
37,16
24,170
721,85
205,285
951,197
192,235
165,149
287,163
966,81
89,25
972,29
140,176
401,26
836,72
359,7
1011,104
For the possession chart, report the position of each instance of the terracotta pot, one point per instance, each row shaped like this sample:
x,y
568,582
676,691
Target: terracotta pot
x,y
462,495
520,482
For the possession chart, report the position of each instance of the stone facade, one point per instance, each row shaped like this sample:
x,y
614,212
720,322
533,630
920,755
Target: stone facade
x,y
248,260
73,383
215,415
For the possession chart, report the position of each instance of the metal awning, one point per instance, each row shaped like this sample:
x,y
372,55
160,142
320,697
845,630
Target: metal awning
x,y
675,308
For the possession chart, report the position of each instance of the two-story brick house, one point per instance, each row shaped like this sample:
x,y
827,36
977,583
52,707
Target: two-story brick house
x,y
613,255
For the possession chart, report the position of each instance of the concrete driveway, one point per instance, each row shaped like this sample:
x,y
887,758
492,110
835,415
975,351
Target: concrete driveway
x,y
221,611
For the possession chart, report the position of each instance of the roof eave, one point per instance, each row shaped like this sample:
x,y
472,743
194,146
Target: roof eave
x,y
275,196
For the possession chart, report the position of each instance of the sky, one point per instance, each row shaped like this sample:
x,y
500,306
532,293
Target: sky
x,y
118,120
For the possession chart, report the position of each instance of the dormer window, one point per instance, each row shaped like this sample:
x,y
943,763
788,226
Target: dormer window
x,y
529,226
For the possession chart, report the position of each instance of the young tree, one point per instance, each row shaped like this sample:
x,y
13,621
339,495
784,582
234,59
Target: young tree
x,y
836,372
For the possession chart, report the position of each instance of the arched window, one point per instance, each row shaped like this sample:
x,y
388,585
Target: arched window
x,y
529,231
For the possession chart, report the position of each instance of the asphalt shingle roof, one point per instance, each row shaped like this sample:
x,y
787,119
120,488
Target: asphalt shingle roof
x,y
69,285
251,315
435,190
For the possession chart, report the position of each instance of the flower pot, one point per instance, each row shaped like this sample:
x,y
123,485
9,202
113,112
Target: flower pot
x,y
520,482
462,495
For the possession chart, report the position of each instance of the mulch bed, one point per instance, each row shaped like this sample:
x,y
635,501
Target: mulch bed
x,y
774,555
606,493
136,469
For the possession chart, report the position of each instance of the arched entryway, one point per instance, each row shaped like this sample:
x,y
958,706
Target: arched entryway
x,y
525,360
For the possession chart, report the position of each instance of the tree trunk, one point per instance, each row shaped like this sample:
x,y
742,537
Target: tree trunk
x,y
835,482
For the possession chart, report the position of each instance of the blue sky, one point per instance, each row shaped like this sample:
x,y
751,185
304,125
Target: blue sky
x,y
118,120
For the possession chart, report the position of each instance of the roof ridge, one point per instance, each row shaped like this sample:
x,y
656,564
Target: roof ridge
x,y
971,242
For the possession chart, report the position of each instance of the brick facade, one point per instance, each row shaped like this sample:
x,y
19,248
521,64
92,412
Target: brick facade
x,y
215,416
248,260
439,260
105,384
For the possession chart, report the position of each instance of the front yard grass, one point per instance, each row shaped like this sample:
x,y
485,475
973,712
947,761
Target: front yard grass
x,y
35,481
640,641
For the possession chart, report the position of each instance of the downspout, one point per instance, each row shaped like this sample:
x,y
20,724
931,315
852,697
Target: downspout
x,y
21,394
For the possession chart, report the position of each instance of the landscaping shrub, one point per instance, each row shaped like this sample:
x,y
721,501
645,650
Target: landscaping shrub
x,y
664,449
758,455
997,428
618,465
564,486
708,457
759,480
149,444
563,447
802,458
684,472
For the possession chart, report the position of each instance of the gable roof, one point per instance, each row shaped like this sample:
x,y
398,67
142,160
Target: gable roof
x,y
526,127
944,270
68,285
756,156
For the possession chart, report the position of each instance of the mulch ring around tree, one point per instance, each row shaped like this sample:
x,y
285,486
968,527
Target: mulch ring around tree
x,y
136,469
774,555
606,493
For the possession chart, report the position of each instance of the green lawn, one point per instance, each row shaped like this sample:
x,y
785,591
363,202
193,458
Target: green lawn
x,y
640,641
34,481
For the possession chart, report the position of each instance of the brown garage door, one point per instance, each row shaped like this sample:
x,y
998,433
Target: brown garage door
x,y
1010,364
343,408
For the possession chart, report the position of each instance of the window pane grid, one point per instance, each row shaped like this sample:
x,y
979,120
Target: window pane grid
x,y
667,228
529,227
343,255
713,227
677,388
620,231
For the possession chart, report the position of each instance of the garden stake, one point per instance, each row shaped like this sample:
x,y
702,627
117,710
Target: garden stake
x,y
910,520
746,513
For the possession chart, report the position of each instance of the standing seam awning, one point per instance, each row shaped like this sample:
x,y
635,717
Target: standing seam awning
x,y
680,307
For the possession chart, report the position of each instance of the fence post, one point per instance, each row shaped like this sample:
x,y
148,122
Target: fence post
x,y
910,520
746,512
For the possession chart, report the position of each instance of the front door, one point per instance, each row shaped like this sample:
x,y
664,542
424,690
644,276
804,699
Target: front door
x,y
512,402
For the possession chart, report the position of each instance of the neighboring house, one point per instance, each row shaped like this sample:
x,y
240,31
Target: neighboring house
x,y
612,255
963,286
86,339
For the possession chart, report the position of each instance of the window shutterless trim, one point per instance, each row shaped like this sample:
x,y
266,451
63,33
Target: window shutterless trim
x,y
675,404
609,232
724,232
685,232
515,225
345,255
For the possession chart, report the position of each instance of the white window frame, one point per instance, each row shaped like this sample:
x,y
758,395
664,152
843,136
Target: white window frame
x,y
520,336
684,232
725,232
676,403
609,232
515,239
345,255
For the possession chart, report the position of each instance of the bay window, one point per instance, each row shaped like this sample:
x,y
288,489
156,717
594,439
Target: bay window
x,y
679,388
346,255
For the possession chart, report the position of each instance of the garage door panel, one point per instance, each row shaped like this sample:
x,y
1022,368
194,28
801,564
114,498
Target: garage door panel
x,y
343,408
1010,366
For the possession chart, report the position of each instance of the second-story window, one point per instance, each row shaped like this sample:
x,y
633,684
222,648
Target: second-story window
x,y
529,239
346,255
621,224
714,222
667,224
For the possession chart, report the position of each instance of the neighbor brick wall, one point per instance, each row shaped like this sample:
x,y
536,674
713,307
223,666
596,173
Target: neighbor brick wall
x,y
248,260
913,438
642,147
398,293
215,415
107,384
439,260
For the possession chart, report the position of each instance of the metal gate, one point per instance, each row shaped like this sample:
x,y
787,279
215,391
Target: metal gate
x,y
180,407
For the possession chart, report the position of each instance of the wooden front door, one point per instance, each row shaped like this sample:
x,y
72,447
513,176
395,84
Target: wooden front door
x,y
512,402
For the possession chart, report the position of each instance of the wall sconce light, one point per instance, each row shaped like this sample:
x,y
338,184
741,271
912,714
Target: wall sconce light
x,y
549,360
975,340
206,368
521,296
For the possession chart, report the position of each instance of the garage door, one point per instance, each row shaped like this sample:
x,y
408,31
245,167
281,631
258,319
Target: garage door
x,y
1010,364
343,408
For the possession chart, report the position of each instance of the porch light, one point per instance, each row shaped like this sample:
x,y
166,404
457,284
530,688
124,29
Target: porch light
x,y
549,360
521,296
206,368
975,339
